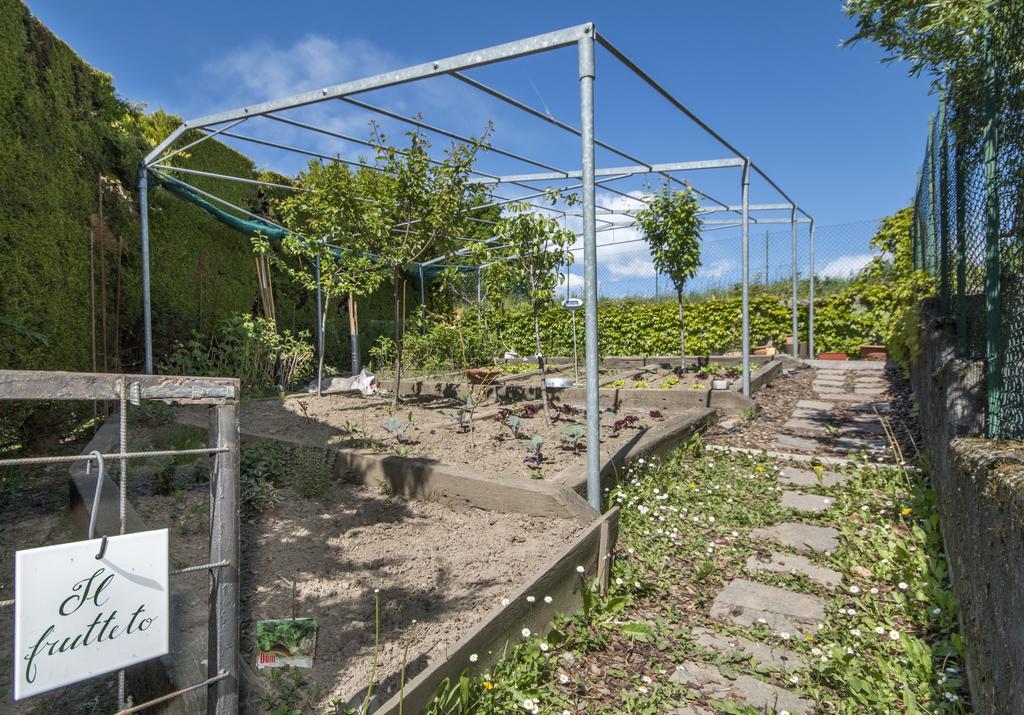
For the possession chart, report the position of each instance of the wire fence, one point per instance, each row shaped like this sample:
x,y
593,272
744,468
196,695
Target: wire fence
x,y
626,271
968,211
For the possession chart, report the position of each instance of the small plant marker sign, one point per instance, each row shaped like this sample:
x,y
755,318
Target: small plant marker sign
x,y
289,641
76,616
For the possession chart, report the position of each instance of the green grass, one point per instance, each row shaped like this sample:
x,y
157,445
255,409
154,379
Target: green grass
x,y
889,642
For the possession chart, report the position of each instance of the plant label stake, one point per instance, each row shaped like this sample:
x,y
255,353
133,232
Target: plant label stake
x,y
572,305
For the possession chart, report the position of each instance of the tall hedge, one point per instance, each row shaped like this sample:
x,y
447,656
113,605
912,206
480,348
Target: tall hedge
x,y
61,128
843,322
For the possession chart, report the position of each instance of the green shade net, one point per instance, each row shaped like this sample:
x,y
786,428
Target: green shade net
x,y
251,227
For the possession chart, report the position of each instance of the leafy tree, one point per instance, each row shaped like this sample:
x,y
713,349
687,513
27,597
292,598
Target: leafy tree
x,y
894,268
416,209
326,210
930,36
671,227
532,249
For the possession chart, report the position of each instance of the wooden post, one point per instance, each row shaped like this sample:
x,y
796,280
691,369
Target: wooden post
x,y
222,698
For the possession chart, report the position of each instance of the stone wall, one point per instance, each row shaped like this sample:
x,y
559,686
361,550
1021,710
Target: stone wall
x,y
980,489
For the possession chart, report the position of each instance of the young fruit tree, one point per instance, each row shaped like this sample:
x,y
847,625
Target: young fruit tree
x,y
532,249
671,227
417,207
323,212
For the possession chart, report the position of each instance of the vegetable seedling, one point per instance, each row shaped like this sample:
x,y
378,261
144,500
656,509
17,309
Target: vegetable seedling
x,y
572,436
397,429
514,423
533,444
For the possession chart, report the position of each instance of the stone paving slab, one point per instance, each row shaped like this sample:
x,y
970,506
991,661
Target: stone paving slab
x,y
821,416
790,441
856,444
794,563
870,406
747,603
853,427
815,405
709,681
804,538
847,396
764,655
796,477
811,427
808,503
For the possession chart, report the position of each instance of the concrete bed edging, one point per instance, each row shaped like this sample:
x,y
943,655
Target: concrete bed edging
x,y
558,579
729,401
457,486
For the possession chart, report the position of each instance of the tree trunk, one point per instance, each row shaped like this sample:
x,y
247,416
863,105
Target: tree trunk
x,y
399,286
353,331
682,332
323,349
540,363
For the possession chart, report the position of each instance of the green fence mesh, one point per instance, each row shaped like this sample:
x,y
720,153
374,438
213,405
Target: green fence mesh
x,y
969,213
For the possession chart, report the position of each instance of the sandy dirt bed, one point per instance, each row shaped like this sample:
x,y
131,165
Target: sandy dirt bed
x,y
433,430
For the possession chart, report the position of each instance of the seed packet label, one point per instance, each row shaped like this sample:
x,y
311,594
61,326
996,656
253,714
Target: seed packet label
x,y
77,616
288,641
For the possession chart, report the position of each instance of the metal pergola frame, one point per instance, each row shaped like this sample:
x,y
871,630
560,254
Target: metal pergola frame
x,y
585,38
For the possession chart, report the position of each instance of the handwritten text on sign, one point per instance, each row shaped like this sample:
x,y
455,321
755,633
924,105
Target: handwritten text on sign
x,y
77,616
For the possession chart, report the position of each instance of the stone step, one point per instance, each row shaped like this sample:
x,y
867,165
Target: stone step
x,y
790,441
796,477
808,503
762,654
823,417
804,538
815,405
747,603
870,407
799,426
853,428
710,683
847,396
851,443
794,563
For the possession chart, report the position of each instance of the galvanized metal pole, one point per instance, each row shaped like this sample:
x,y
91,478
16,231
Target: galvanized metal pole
x,y
960,183
587,74
147,315
222,649
745,346
796,320
810,295
993,359
319,329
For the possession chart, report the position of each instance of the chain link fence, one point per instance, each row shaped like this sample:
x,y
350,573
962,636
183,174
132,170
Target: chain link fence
x,y
968,212
625,269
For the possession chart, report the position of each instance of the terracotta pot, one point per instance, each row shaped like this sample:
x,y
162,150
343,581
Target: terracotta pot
x,y
483,375
833,356
873,352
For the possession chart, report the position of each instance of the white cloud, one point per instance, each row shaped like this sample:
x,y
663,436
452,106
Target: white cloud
x,y
717,269
845,266
636,268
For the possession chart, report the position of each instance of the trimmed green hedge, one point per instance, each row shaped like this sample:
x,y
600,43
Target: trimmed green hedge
x,y
842,323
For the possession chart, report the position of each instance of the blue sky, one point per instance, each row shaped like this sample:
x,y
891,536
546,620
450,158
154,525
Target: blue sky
x,y
842,133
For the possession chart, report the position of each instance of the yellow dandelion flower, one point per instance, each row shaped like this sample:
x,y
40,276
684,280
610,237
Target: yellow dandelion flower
x,y
906,511
693,485
488,685
759,469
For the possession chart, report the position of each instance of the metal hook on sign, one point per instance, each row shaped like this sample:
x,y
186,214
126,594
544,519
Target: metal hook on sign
x,y
100,474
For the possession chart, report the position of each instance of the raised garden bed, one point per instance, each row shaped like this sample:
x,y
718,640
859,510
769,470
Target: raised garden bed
x,y
323,547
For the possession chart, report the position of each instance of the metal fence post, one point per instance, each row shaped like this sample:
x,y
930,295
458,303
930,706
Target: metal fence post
x,y
943,184
810,292
147,315
222,644
745,347
319,329
587,72
960,182
796,322
992,223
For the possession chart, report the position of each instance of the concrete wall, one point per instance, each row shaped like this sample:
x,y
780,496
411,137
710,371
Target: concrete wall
x,y
980,488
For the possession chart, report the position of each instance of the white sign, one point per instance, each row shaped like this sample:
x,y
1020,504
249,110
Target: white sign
x,y
77,616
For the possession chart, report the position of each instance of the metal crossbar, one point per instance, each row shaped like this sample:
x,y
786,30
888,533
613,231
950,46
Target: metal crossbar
x,y
586,40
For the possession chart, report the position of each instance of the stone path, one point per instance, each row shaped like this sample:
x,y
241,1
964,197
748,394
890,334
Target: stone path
x,y
842,416
790,548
